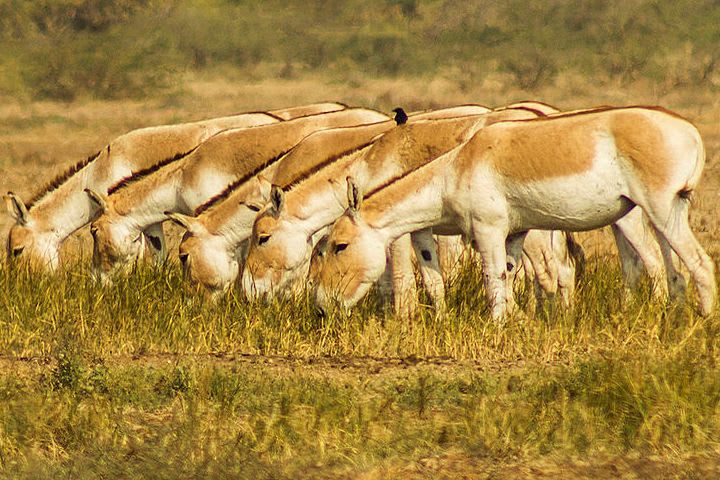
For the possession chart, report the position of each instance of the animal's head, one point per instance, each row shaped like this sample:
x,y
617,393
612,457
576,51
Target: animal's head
x,y
278,252
117,244
28,241
352,259
211,258
207,259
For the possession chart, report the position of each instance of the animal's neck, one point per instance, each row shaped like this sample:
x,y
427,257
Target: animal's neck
x,y
410,204
145,201
320,200
231,219
67,208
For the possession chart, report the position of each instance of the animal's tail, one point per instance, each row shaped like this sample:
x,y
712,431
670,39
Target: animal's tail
x,y
686,193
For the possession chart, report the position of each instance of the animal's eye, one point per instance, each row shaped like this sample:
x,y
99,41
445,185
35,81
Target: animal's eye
x,y
17,251
183,258
252,207
263,239
340,247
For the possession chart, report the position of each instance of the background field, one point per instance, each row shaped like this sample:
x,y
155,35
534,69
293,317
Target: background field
x,y
145,380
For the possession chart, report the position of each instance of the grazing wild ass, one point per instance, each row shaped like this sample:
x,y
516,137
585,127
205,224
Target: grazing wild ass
x,y
234,155
507,179
210,248
62,207
284,231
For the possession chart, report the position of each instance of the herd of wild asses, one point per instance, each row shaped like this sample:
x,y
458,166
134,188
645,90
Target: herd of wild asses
x,y
340,198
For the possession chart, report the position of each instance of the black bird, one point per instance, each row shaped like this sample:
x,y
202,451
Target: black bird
x,y
400,116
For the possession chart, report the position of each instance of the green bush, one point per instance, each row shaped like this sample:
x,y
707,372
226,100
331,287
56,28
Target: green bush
x,y
67,48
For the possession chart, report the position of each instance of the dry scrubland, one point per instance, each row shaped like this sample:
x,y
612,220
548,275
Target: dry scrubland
x,y
145,380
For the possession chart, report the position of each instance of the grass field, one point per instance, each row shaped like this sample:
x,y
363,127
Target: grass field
x,y
145,380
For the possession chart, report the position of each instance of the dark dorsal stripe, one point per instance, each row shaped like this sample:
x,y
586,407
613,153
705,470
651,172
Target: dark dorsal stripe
x,y
237,183
538,119
300,178
62,178
603,108
325,163
538,113
140,174
259,112
536,102
377,189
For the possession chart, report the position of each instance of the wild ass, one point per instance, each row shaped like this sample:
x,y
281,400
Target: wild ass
x,y
283,233
61,207
209,249
507,179
182,185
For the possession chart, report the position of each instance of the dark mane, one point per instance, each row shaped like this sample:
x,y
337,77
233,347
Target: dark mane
x,y
377,189
140,174
537,102
271,115
232,186
538,113
62,178
329,160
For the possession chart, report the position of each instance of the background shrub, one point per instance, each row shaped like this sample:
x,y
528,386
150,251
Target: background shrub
x,y
129,48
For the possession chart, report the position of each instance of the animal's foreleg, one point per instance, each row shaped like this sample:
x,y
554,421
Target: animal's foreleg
x,y
490,244
403,275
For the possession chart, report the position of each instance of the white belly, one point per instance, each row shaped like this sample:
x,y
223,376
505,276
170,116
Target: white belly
x,y
583,201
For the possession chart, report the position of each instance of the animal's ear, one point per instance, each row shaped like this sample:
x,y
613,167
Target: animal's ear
x,y
98,199
191,224
265,187
354,195
277,199
16,208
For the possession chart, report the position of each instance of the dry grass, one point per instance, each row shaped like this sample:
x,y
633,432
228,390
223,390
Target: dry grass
x,y
145,380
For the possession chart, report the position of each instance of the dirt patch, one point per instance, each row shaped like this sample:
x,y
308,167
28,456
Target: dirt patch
x,y
453,466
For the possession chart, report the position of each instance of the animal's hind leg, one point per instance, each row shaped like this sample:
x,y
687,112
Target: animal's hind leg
x,y
672,225
156,240
637,247
676,284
